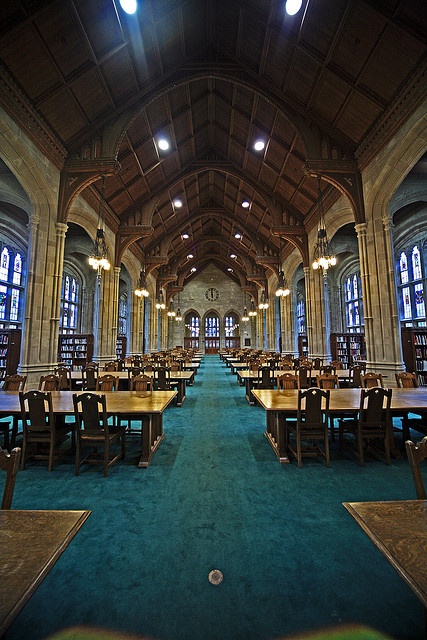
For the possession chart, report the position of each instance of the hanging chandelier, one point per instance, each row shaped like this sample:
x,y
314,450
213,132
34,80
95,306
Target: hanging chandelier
x,y
263,304
178,316
141,291
245,316
323,256
99,258
160,304
282,286
171,312
252,312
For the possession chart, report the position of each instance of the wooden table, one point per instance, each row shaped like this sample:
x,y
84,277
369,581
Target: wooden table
x,y
248,378
178,378
30,542
341,401
399,530
119,403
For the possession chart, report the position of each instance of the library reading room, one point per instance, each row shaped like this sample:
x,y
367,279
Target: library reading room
x,y
213,326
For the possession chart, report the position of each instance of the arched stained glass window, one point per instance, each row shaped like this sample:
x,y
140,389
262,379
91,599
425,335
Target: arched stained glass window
x,y
4,265
354,304
231,325
11,289
123,314
17,269
212,327
411,301
69,304
403,268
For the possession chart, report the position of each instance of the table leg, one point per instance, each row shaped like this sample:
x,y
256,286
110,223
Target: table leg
x,y
152,436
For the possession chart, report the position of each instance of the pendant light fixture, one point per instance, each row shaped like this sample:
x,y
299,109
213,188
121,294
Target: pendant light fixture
x,y
99,258
323,256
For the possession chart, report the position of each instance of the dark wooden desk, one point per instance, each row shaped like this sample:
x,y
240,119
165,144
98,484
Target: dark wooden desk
x,y
247,378
341,400
178,378
119,403
399,530
30,542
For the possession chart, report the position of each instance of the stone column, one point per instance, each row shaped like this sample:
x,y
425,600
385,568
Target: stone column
x,y
361,230
309,307
28,334
288,327
61,230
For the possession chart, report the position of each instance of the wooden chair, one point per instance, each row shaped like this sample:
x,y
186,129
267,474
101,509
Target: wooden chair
x,y
311,425
337,364
162,378
304,377
265,379
287,380
89,377
328,368
9,462
406,380
13,382
355,376
141,382
327,381
50,382
372,423
93,432
107,382
371,379
64,374
111,366
40,429
317,363
417,453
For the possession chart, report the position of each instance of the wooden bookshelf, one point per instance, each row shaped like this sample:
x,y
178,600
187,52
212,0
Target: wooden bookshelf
x,y
75,350
303,346
348,348
10,351
121,346
414,349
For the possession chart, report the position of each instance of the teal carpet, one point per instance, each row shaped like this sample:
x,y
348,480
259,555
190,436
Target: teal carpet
x,y
215,497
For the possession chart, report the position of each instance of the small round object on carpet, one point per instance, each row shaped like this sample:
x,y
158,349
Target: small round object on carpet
x,y
215,576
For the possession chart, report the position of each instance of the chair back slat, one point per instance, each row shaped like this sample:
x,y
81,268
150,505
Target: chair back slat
x,y
9,462
417,453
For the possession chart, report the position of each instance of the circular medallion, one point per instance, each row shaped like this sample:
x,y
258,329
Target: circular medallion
x,y
211,294
215,576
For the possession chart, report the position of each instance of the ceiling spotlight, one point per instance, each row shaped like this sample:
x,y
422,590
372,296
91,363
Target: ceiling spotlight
x,y
246,204
238,235
193,269
129,6
190,255
259,145
185,236
229,269
233,255
177,203
163,144
292,7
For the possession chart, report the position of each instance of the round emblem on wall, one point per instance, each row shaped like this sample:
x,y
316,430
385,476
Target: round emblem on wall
x,y
212,294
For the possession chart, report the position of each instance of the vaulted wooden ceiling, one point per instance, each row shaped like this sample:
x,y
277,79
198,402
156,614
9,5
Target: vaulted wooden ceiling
x,y
213,76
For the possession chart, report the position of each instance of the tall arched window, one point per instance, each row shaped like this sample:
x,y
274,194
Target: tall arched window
x,y
412,310
11,287
123,314
70,303
353,303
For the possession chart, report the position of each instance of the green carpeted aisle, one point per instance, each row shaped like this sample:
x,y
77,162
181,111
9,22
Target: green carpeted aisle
x,y
215,497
